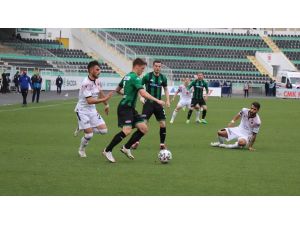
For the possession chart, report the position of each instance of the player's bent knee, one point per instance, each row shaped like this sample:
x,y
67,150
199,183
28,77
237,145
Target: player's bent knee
x,y
242,142
127,130
143,128
162,124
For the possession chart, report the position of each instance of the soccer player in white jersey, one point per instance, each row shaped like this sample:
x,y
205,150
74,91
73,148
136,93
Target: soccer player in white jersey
x,y
245,133
89,120
185,98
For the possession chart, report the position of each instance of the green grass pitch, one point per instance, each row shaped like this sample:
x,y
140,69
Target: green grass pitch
x,y
39,154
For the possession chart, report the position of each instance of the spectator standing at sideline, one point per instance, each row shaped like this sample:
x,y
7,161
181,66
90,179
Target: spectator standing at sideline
x,y
16,81
266,88
59,83
4,84
24,81
271,86
274,89
36,84
246,89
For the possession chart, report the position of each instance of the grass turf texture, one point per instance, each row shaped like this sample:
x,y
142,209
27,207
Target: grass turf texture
x,y
39,154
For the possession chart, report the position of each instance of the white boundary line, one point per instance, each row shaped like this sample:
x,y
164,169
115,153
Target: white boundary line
x,y
36,107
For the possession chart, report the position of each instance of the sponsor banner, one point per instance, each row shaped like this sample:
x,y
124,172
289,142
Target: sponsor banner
x,y
287,93
74,82
213,91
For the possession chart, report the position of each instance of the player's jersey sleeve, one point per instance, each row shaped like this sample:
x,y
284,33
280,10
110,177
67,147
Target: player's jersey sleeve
x,y
244,111
206,87
165,81
191,85
145,79
256,128
86,90
121,84
180,88
257,125
137,82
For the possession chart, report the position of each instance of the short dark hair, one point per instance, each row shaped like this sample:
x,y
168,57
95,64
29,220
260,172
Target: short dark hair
x,y
156,61
139,61
92,64
256,105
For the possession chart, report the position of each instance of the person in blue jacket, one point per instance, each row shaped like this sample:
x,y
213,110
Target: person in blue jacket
x,y
25,82
36,85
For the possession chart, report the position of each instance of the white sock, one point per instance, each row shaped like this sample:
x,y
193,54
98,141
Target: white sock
x,y
235,145
99,131
85,140
221,139
173,115
197,115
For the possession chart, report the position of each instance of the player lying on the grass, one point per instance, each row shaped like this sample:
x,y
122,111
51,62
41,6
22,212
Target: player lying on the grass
x,y
185,99
245,133
128,117
198,100
89,119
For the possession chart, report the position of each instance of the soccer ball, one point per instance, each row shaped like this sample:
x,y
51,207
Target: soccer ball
x,y
164,156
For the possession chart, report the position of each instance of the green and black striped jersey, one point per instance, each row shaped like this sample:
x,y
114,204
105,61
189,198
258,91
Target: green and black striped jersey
x,y
198,86
154,84
131,84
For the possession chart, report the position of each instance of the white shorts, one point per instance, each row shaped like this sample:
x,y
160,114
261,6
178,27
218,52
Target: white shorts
x,y
89,119
184,102
236,133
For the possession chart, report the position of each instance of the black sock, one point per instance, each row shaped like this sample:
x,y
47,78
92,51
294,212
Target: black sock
x,y
204,114
134,138
116,140
189,114
163,133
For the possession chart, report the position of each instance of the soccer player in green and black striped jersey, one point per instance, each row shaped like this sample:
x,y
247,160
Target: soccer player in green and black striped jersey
x,y
128,117
154,83
198,100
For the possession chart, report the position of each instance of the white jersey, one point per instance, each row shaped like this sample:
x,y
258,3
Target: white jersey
x,y
185,94
89,88
249,125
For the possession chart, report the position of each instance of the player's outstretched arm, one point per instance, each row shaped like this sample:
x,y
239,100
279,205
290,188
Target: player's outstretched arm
x,y
167,96
146,95
91,100
251,143
119,90
176,93
102,95
235,118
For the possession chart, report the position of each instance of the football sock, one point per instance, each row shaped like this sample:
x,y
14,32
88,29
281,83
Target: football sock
x,y
197,115
235,145
204,114
136,136
174,115
162,134
189,114
116,140
99,131
85,140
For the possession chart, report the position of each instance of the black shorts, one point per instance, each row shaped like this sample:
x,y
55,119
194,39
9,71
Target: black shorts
x,y
128,116
199,102
150,108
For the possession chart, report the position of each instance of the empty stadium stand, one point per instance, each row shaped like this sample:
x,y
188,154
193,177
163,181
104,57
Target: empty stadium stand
x,y
46,55
290,46
219,55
